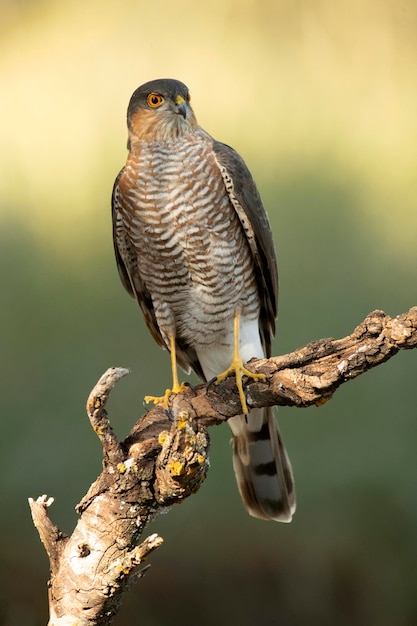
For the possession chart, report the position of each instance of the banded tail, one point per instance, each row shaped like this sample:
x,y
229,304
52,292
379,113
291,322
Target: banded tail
x,y
262,467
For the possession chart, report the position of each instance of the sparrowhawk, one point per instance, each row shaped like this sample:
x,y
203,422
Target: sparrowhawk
x,y
194,248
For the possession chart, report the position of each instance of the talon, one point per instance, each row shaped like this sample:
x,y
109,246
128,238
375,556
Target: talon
x,y
211,382
188,385
176,386
237,368
163,400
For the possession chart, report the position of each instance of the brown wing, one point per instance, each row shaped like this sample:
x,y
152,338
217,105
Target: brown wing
x,y
127,265
248,205
128,268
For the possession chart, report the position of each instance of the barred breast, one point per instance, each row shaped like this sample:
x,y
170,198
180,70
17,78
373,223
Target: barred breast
x,y
192,253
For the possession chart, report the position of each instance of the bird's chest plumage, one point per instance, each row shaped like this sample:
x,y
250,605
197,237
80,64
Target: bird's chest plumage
x,y
192,252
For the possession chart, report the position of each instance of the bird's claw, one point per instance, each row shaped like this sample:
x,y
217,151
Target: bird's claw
x,y
163,401
239,370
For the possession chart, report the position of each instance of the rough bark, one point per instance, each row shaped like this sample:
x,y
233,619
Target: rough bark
x,y
165,459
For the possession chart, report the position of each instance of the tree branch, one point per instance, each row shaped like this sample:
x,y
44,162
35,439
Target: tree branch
x,y
165,459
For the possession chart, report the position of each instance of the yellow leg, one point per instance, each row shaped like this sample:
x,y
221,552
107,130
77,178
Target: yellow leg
x,y
176,386
237,368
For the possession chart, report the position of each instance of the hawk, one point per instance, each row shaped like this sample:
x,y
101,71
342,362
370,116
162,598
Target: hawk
x,y
194,248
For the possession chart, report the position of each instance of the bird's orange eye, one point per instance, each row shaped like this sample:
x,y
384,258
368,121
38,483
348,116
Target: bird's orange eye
x,y
155,100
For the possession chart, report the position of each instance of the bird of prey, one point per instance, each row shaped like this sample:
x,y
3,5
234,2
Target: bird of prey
x,y
194,247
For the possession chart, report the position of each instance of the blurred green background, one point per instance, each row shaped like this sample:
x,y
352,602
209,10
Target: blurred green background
x,y
321,99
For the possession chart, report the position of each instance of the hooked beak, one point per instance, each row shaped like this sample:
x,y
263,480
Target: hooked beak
x,y
181,106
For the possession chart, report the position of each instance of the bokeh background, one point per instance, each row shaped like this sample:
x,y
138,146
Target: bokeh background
x,y
321,99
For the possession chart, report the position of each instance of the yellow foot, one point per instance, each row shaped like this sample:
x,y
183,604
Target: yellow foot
x,y
163,400
238,369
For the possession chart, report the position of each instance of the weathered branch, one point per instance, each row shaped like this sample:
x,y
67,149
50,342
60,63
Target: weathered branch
x,y
165,459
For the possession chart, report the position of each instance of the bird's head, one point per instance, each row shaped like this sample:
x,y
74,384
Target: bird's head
x,y
160,111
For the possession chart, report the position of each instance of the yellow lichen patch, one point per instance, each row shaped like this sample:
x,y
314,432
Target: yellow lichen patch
x,y
162,437
121,467
201,459
176,468
98,430
182,420
97,403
